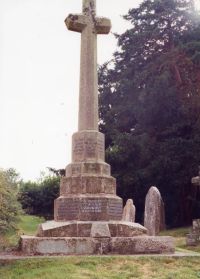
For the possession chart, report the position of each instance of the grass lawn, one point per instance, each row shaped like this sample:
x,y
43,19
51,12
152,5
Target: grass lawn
x,y
27,225
102,268
180,235
118,267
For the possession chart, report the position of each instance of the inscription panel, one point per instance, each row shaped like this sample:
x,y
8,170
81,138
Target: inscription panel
x,y
115,209
88,145
66,210
91,206
78,148
93,168
101,147
90,209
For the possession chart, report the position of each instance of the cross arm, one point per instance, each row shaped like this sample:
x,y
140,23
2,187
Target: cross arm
x,y
103,25
196,180
76,22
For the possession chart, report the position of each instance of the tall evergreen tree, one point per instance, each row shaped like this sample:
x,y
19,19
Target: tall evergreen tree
x,y
150,104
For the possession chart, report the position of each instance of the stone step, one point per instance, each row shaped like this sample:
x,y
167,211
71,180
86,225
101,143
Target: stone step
x,y
97,246
88,229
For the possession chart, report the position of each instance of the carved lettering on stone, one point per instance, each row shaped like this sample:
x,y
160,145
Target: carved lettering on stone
x,y
90,147
91,206
78,147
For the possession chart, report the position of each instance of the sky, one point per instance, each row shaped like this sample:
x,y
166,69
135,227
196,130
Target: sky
x,y
39,79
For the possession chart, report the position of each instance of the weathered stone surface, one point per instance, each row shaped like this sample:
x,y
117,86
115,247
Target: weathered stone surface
x,y
130,229
129,211
87,185
142,245
154,212
100,229
94,246
88,146
193,238
89,25
88,168
88,208
87,229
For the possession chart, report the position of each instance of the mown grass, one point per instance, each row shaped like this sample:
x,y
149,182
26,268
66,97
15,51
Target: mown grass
x,y
27,225
106,267
102,268
180,239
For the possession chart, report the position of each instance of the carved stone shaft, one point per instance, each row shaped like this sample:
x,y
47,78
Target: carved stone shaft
x,y
89,26
88,191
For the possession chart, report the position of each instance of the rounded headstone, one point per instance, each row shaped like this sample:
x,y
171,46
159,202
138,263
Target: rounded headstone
x,y
129,211
154,216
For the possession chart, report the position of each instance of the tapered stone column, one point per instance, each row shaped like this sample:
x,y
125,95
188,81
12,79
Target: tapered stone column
x,y
88,192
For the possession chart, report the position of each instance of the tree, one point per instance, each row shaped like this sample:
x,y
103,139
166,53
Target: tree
x,y
9,207
150,104
37,198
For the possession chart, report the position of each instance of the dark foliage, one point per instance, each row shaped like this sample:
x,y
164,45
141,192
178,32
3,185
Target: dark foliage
x,y
150,107
37,198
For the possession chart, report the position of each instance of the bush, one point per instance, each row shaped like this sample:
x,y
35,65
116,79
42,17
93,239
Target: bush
x,y
37,198
9,206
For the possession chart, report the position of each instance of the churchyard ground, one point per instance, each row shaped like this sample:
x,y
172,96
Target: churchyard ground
x,y
95,267
102,268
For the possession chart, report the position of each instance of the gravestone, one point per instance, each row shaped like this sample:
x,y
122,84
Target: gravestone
x,y
154,216
129,212
88,213
193,238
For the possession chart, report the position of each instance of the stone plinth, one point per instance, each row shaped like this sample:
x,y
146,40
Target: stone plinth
x,y
88,146
91,238
97,246
88,207
88,168
88,191
86,229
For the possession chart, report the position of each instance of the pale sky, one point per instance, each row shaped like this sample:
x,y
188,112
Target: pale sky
x,y
39,79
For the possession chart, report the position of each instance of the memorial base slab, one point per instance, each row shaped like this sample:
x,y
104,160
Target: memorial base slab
x,y
94,238
96,246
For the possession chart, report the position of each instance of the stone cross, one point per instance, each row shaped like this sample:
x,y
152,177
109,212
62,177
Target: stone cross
x,y
89,25
196,179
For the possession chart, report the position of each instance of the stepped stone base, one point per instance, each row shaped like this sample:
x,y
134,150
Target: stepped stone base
x,y
97,246
93,238
90,229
